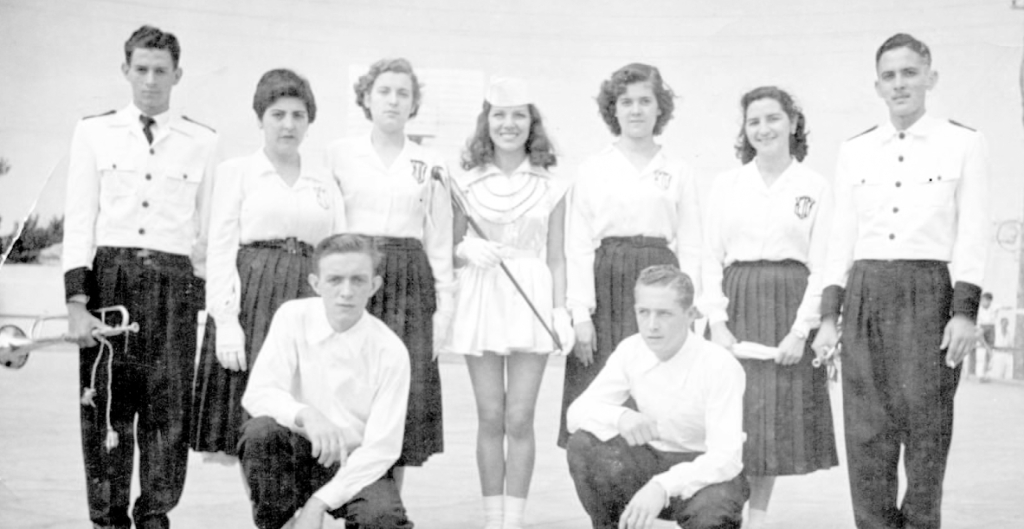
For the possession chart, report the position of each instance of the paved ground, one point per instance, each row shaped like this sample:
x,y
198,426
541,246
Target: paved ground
x,y
42,484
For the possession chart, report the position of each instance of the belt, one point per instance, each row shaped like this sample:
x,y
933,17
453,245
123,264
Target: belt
x,y
635,240
291,245
146,256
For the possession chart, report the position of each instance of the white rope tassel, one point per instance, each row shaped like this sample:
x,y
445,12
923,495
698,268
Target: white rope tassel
x,y
89,394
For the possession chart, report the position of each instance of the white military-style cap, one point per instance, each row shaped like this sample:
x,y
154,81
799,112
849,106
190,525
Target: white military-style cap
x,y
508,92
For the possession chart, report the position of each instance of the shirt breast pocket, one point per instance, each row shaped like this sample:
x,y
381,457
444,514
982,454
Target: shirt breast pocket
x,y
117,178
181,183
869,193
936,188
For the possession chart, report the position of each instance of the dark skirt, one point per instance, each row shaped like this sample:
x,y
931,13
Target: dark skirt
x,y
617,264
406,303
269,277
786,411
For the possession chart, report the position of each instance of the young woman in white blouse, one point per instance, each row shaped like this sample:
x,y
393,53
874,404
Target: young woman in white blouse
x,y
765,233
632,206
519,206
395,190
269,209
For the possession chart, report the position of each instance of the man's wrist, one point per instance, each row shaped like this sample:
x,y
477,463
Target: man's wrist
x,y
316,504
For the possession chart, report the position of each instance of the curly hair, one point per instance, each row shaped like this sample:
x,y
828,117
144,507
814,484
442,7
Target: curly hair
x,y
399,65
797,140
279,83
615,86
480,147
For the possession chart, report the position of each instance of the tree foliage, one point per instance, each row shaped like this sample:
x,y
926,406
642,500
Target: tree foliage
x,y
34,239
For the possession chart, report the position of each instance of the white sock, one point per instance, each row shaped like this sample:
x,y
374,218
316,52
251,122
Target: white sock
x,y
515,509
493,512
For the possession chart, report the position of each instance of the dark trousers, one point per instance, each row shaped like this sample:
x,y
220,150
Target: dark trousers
x,y
608,474
897,390
282,475
150,381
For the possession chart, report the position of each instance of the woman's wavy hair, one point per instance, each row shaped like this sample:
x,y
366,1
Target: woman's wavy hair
x,y
480,149
797,141
279,83
615,86
399,65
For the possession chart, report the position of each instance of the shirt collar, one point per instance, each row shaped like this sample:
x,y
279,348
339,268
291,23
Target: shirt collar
x,y
308,172
683,358
921,128
162,119
489,170
318,328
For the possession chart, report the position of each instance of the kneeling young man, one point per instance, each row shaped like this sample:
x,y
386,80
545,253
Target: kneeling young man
x,y
328,396
678,457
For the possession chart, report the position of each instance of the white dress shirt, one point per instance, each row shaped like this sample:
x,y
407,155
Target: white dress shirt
x,y
696,397
611,198
124,192
403,200
920,194
359,379
251,202
748,221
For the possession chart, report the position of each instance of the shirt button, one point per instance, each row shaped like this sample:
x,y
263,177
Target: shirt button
x,y
902,135
898,184
149,176
895,210
151,151
901,158
184,177
892,236
142,231
145,203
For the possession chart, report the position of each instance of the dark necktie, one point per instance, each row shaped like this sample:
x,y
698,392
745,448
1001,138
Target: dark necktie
x,y
147,123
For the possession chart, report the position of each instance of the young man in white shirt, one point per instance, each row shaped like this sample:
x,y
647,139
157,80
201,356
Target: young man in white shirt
x,y
904,265
328,396
139,181
678,456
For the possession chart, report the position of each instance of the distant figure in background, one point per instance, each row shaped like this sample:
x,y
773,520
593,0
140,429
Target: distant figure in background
x,y
1001,366
765,231
909,242
138,197
631,207
986,337
519,206
397,191
327,396
269,209
676,455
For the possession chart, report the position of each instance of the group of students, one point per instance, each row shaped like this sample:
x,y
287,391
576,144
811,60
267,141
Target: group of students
x,y
325,402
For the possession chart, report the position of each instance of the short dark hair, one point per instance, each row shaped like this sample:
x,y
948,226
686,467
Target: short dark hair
x,y
797,141
151,37
904,40
668,276
480,147
348,243
615,86
279,83
399,65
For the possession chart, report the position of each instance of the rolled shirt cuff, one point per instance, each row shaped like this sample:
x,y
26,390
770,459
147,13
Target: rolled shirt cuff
x,y
966,297
79,281
832,302
579,314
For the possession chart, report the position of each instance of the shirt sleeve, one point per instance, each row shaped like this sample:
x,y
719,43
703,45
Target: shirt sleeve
x,y
808,315
437,236
688,232
579,253
970,249
598,408
204,205
382,440
268,392
839,254
723,418
223,285
81,208
713,300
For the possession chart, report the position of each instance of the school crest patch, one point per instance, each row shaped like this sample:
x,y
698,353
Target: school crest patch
x,y
803,206
321,197
662,179
419,170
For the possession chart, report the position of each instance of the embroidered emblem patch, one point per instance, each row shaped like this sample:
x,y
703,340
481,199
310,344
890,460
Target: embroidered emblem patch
x,y
803,207
419,171
321,197
662,179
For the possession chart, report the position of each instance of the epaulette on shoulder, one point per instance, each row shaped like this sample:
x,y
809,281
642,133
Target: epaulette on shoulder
x,y
107,113
958,124
205,126
862,133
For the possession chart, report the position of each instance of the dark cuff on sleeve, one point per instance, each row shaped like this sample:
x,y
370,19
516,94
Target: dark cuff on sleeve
x,y
965,299
78,281
832,302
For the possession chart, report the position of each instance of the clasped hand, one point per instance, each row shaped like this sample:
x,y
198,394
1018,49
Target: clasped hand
x,y
637,428
325,437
